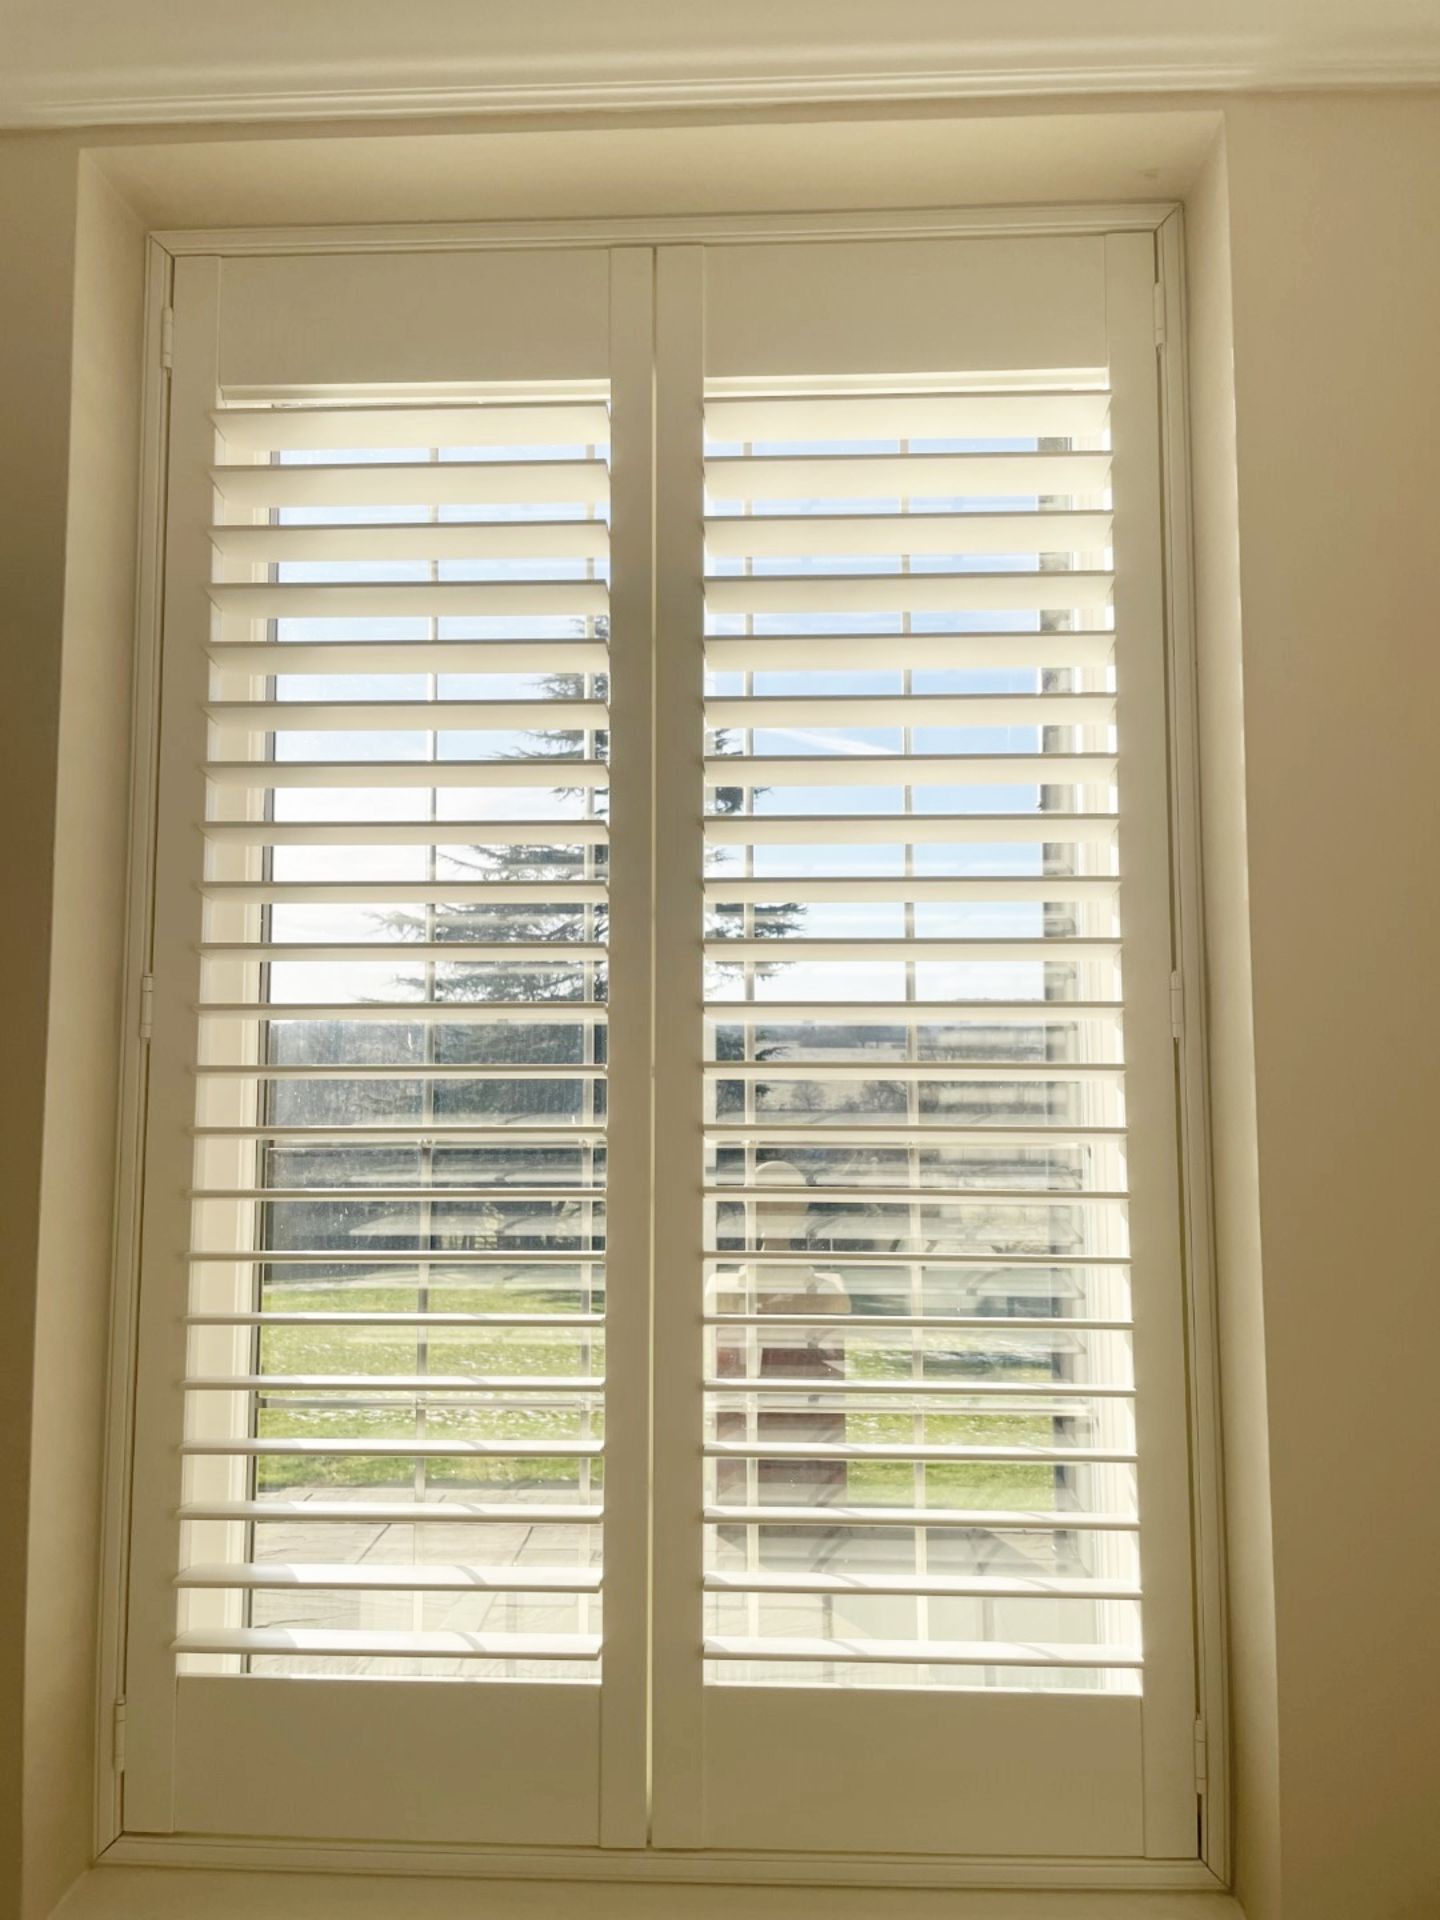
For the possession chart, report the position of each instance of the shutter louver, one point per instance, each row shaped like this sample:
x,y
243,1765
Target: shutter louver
x,y
919,1431
394,1426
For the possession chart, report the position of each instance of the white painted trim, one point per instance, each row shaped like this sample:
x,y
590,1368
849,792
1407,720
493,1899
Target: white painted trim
x,y
144,99
1141,216
114,1570
701,1868
1197,1213
628,1553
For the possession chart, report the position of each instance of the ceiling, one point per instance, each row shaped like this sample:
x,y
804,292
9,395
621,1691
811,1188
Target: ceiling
x,y
79,62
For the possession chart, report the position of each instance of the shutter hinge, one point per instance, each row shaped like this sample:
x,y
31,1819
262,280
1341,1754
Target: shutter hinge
x,y
1202,1759
167,338
1177,1006
147,1005
117,1740
1159,313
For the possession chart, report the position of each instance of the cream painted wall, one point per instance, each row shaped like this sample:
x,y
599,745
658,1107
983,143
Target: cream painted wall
x,y
37,228
1335,268
1244,1413
77,1198
1335,255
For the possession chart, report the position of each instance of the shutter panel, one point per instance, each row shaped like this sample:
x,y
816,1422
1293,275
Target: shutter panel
x,y
929,1313
378,1167
926,1558
432,1355
664,1094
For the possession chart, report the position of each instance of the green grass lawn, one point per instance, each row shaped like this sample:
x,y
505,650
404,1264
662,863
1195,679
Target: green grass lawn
x,y
524,1351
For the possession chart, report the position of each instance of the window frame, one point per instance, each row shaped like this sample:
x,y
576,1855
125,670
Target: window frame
x,y
165,249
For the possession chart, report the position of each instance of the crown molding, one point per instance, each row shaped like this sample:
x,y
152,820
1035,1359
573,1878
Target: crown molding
x,y
138,99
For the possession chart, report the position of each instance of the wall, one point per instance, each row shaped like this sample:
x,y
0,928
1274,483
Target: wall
x,y
1335,254
37,227
1244,1412
1334,263
77,1198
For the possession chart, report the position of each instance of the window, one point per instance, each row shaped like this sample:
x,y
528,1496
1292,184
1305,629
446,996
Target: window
x,y
661,1094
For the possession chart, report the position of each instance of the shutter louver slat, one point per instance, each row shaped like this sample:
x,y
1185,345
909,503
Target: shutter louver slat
x,y
927,476
397,1258
821,536
927,1652
898,416
380,1644
414,656
946,648
406,833
414,484
392,599
848,593
393,1513
420,776
319,1576
293,429
509,540
919,1448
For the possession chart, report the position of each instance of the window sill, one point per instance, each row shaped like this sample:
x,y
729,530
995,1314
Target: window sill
x,y
135,1888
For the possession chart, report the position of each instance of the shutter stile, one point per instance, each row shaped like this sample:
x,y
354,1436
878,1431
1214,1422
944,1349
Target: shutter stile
x,y
394,1431
919,1447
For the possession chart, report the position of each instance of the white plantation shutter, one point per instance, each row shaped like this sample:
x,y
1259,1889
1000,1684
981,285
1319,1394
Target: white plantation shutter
x,y
379,1087
931,1335
916,1212
662,896
379,1079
